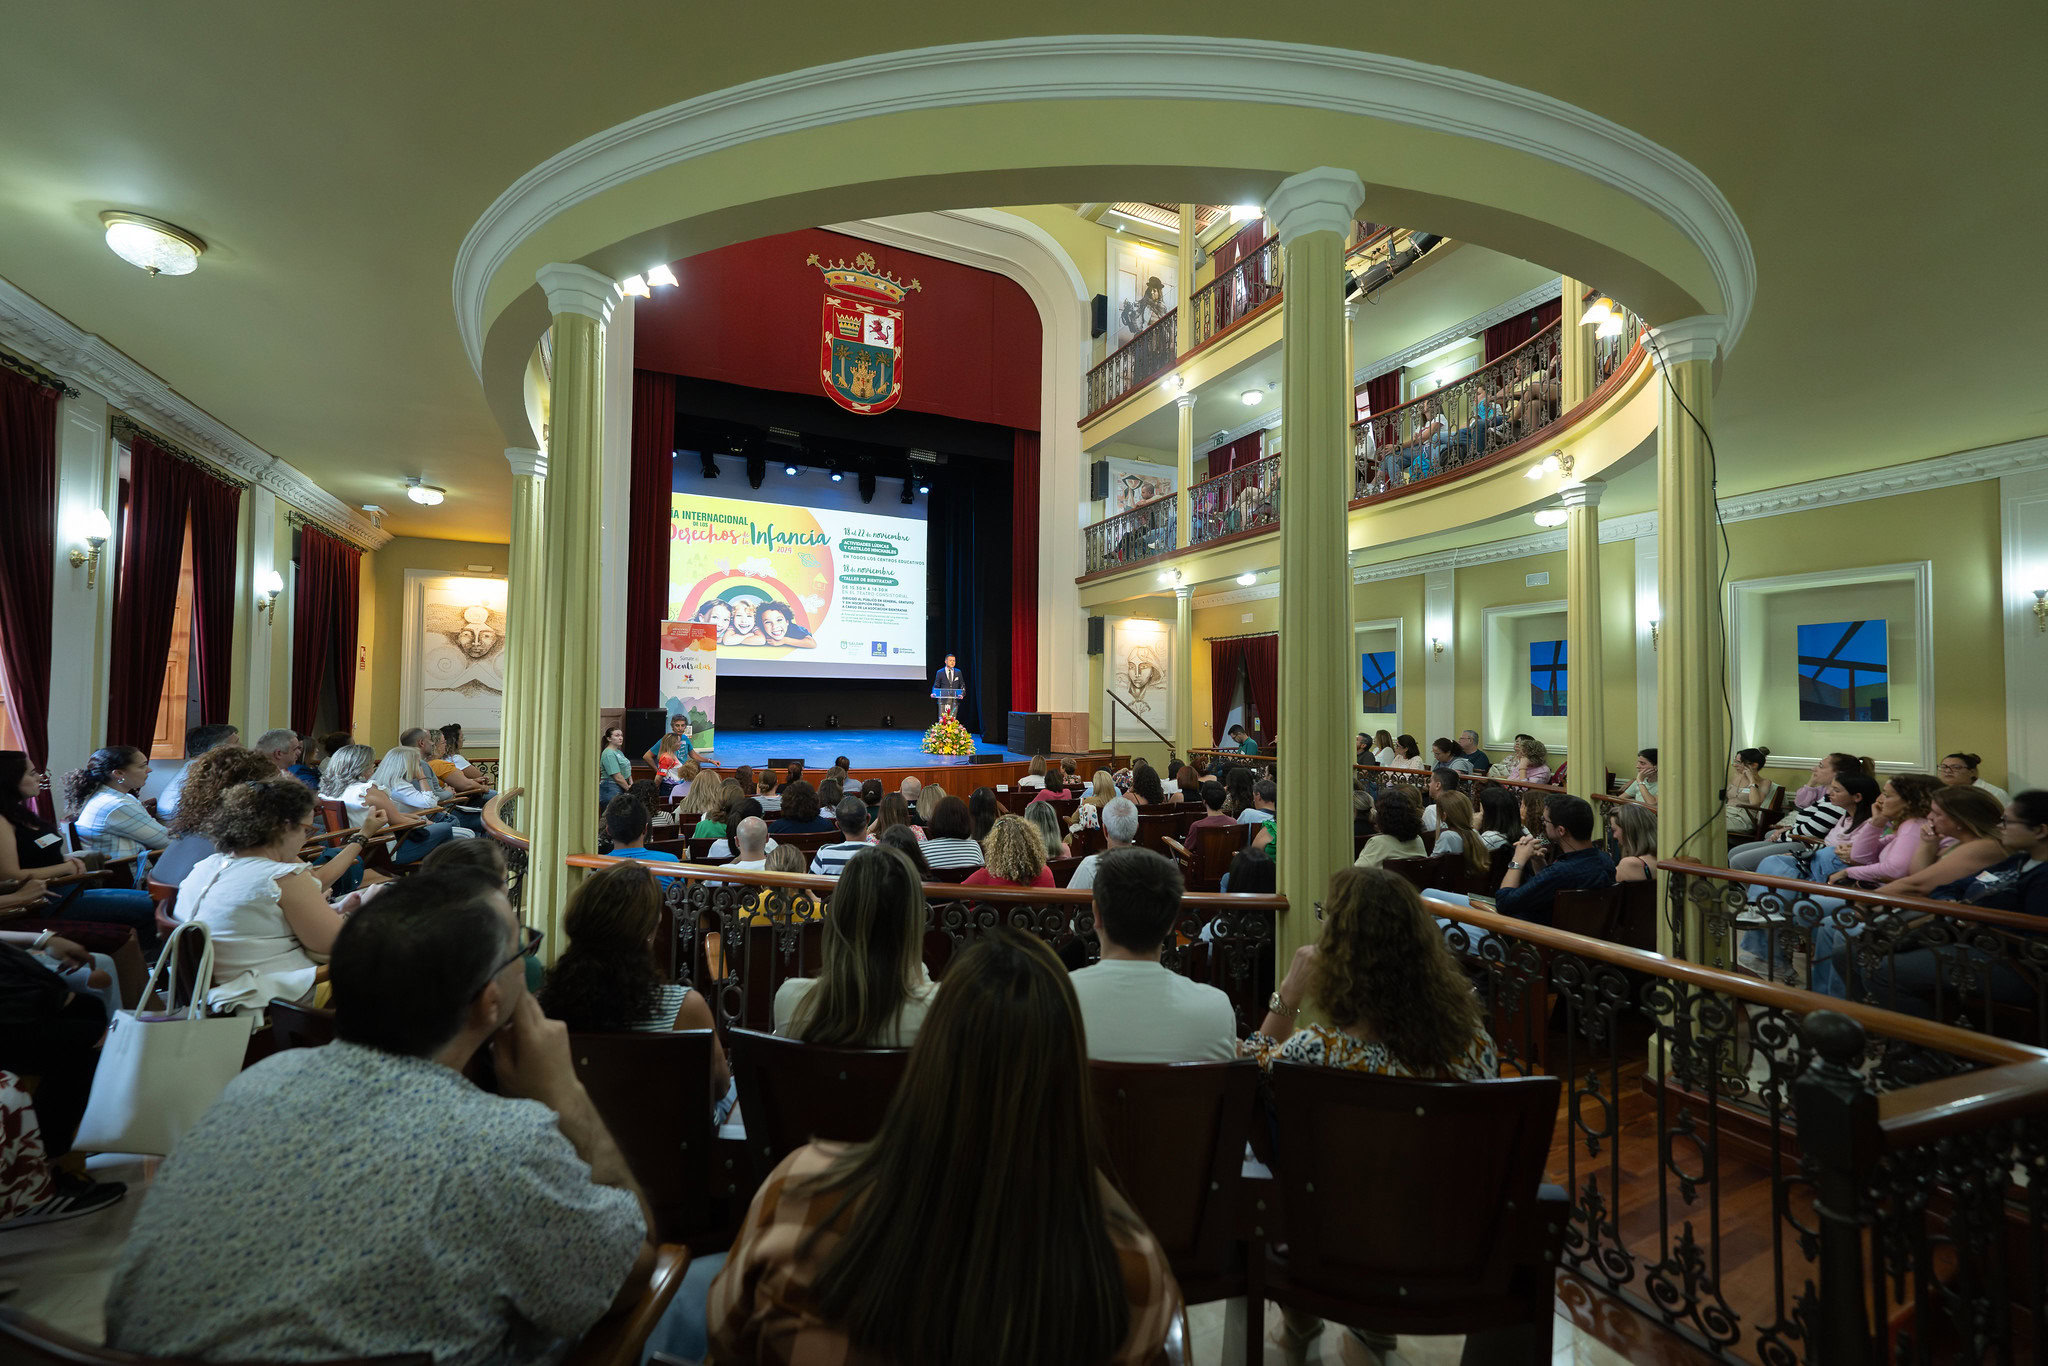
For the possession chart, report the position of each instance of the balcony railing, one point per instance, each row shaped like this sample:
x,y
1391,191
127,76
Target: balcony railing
x,y
1236,294
1463,422
1132,366
1144,533
1244,499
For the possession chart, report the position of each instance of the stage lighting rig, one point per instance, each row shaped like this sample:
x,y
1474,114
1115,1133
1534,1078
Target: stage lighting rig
x,y
907,495
866,483
710,464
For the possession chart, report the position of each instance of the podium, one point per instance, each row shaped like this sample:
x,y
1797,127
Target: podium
x,y
949,701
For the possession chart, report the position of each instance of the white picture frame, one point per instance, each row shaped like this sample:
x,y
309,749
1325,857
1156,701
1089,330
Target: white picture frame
x,y
452,660
1132,265
1137,670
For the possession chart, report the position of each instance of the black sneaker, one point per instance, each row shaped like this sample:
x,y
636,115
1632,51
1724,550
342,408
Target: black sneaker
x,y
70,1197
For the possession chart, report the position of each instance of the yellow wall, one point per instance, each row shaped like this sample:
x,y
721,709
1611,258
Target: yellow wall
x,y
378,721
1396,598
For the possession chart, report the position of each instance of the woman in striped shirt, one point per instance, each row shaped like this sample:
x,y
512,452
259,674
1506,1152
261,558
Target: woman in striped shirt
x,y
606,981
949,836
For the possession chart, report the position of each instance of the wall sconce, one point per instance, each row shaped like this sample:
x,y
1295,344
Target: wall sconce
x,y
1436,648
2041,609
267,589
1653,633
93,530
1557,462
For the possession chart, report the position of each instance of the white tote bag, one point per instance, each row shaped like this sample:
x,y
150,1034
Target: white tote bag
x,y
159,1071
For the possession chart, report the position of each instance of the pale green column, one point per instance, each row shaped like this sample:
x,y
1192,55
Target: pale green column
x,y
1575,349
1312,213
1183,667
560,811
1692,725
523,576
1184,439
1585,723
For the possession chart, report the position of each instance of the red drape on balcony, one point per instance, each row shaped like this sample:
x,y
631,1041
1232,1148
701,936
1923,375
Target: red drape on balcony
x,y
1262,683
324,608
1226,662
1237,453
1504,337
653,484
28,548
1242,244
1383,393
1024,572
215,511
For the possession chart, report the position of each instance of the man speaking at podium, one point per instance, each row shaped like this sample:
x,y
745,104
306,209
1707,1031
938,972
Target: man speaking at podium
x,y
948,677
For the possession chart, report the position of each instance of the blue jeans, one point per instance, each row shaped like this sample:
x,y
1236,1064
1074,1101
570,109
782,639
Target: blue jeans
x,y
114,906
422,842
1822,863
684,1331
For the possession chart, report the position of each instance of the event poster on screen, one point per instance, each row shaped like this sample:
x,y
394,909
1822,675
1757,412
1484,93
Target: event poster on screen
x,y
816,587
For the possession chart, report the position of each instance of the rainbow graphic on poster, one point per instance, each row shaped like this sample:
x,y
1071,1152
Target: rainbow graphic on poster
x,y
689,678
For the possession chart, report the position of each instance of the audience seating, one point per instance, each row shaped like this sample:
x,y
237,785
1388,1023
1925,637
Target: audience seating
x,y
1174,1135
31,1343
376,854
1624,914
619,1339
165,895
1082,843
1367,1243
1440,872
297,1026
1155,827
653,1091
792,1092
1063,869
1206,858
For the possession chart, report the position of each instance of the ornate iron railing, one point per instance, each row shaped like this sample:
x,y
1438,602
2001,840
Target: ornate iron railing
x,y
1132,366
1236,294
1963,965
1611,352
1145,532
1244,499
501,825
1501,403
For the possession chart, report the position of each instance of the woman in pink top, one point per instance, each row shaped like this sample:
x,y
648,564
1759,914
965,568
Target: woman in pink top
x,y
1531,762
1900,812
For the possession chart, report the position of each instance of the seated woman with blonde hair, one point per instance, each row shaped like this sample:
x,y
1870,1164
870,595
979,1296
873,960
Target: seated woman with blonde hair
x,y
1531,763
1014,856
1088,815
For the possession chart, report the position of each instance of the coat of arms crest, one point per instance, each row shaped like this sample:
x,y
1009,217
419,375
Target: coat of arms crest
x,y
860,361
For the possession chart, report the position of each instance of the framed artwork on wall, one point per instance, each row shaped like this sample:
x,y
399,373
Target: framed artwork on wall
x,y
1138,671
453,644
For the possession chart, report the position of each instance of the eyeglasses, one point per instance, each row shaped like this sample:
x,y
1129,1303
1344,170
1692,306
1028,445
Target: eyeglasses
x,y
529,943
2022,825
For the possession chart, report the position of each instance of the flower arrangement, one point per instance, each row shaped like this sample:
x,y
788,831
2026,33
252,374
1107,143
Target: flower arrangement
x,y
948,737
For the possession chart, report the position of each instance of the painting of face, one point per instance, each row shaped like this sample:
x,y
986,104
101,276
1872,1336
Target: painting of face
x,y
478,637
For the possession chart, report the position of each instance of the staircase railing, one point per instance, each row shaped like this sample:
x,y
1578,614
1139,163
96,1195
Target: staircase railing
x,y
1118,704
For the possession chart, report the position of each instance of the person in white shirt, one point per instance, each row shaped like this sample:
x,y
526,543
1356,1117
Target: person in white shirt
x,y
1133,1007
1443,778
1034,777
751,842
1119,831
1260,812
347,777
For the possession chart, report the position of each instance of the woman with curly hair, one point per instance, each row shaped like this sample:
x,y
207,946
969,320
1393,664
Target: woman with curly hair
x,y
1397,1003
606,981
1146,789
1398,819
800,812
206,780
32,852
1014,857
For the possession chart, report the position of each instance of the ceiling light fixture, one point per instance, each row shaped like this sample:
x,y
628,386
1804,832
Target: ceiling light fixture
x,y
1557,462
837,477
1252,398
151,244
634,286
1247,579
1550,517
789,469
1611,327
661,275
426,495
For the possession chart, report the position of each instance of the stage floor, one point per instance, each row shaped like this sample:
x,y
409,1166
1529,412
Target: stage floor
x,y
818,748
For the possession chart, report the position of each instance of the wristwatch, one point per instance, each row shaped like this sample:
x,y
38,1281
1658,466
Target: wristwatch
x,y
1514,867
359,841
1280,1007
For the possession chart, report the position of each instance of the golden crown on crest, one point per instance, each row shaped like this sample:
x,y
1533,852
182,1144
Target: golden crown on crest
x,y
861,277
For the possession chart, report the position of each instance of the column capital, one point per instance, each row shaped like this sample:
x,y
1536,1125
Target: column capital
x,y
527,462
1325,199
1183,591
577,289
1184,401
1585,494
1687,339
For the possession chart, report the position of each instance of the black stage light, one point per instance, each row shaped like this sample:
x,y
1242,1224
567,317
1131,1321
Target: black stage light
x,y
757,470
906,491
831,720
757,720
888,719
866,483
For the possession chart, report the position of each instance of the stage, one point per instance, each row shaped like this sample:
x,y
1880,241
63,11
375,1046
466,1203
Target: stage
x,y
887,755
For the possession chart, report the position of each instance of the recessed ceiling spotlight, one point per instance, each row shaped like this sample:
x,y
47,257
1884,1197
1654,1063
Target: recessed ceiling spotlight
x,y
924,488
426,495
1247,579
789,469
661,275
837,476
151,244
1252,398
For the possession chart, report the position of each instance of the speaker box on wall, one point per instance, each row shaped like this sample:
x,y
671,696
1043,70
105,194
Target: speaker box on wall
x,y
1095,635
643,726
1098,315
1098,479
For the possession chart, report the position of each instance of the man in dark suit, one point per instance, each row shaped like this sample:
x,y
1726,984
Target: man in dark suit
x,y
949,677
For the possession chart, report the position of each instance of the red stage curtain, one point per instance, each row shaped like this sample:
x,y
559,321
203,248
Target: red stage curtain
x,y
324,611
1024,572
28,549
146,588
1504,337
1242,451
653,484
215,512
1262,683
1226,661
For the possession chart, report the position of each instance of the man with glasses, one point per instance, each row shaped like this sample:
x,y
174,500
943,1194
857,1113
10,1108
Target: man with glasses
x,y
366,1199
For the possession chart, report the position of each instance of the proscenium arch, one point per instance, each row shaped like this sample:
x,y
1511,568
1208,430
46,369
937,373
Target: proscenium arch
x,y
1030,120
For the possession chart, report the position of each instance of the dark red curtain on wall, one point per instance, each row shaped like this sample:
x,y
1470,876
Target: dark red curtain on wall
x,y
1226,662
1505,336
1242,451
1262,684
146,588
1024,573
215,511
1243,243
324,609
1383,392
653,484
28,548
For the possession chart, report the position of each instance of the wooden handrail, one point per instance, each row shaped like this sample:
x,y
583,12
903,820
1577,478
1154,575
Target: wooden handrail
x,y
494,819
1238,472
1952,910
1919,1115
1118,701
